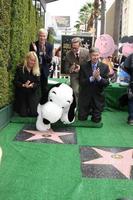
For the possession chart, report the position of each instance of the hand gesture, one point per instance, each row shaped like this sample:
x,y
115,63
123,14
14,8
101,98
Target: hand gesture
x,y
34,47
96,73
28,84
31,85
74,68
43,49
77,68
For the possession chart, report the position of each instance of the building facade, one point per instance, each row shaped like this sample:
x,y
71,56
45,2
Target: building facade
x,y
127,14
114,20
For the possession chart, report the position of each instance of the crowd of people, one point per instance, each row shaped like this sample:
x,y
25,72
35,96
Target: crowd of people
x,y
89,75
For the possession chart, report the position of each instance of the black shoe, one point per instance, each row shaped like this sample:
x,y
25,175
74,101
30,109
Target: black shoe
x,y
95,120
82,118
130,122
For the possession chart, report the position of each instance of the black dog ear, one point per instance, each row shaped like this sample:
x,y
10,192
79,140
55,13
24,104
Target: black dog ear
x,y
71,112
55,85
44,97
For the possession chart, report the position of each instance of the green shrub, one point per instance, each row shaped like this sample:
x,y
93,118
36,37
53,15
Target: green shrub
x,y
19,24
4,32
4,87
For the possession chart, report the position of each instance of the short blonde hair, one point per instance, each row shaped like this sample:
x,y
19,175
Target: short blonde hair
x,y
36,69
42,30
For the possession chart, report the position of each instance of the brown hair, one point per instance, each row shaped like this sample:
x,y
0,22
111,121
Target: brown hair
x,y
57,51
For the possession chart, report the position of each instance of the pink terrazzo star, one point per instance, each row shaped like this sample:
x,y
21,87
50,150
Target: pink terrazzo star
x,y
49,134
122,161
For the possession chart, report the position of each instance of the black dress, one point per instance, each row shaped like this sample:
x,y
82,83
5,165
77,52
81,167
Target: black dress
x,y
26,99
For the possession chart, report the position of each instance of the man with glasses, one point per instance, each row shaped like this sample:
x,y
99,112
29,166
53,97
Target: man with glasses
x,y
74,58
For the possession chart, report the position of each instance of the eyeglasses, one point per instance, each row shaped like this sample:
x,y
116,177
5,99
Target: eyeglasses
x,y
75,48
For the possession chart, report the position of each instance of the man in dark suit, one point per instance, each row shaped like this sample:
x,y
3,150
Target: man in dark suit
x,y
93,78
74,58
44,51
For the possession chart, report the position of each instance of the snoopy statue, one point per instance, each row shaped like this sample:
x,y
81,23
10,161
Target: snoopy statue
x,y
60,105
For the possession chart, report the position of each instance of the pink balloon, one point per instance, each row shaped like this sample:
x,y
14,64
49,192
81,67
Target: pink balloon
x,y
105,44
127,49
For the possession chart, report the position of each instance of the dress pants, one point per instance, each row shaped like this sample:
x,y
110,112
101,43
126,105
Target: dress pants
x,y
74,83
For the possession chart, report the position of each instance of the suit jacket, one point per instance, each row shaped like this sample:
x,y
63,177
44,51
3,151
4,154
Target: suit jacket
x,y
70,59
92,91
46,59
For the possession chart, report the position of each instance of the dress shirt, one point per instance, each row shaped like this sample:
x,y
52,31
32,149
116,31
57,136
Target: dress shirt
x,y
94,67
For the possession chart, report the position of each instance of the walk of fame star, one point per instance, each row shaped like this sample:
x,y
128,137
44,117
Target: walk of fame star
x,y
110,163
50,136
86,45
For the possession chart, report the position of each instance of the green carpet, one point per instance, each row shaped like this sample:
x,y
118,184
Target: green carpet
x,y
115,132
76,123
36,171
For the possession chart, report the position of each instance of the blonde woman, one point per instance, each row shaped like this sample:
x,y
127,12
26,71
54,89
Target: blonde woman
x,y
27,84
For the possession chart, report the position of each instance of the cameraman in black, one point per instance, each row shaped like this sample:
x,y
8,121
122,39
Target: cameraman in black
x,y
128,66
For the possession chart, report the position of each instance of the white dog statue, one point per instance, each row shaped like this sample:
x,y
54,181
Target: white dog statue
x,y
60,105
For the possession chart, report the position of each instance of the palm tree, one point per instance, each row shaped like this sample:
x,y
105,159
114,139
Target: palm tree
x,y
99,10
77,25
90,22
84,15
96,13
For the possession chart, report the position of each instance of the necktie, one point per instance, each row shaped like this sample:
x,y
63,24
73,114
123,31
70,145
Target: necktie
x,y
77,57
